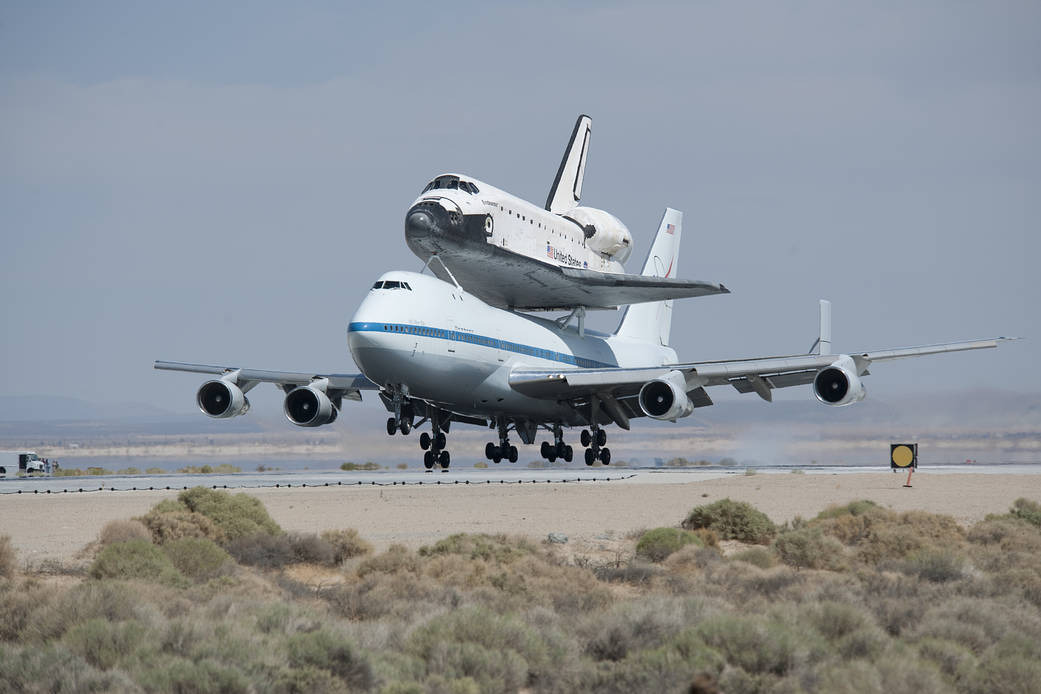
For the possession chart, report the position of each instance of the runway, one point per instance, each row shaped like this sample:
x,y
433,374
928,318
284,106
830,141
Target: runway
x,y
461,476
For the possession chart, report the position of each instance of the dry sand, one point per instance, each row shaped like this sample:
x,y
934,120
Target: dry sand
x,y
58,527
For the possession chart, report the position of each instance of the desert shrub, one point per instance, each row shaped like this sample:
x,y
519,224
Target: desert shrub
x,y
178,522
135,559
197,558
707,536
1006,675
657,544
635,574
500,653
199,677
732,520
155,471
54,668
954,660
934,564
853,508
499,547
262,550
123,530
57,612
331,652
879,535
346,544
1025,509
348,467
753,644
630,627
480,465
8,557
309,548
809,548
102,643
396,558
237,515
757,556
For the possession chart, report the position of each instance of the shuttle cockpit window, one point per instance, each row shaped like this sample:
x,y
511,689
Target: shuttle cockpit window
x,y
451,183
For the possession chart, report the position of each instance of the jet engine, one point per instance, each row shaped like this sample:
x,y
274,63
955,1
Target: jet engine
x,y
221,399
666,397
309,406
838,385
604,232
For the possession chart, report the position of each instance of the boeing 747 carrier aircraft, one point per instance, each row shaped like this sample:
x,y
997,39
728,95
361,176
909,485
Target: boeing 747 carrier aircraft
x,y
511,253
439,355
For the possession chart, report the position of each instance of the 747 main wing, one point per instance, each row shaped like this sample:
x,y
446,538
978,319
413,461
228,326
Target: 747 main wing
x,y
674,390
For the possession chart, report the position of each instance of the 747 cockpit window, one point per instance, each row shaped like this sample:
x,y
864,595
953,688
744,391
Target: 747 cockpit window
x,y
391,284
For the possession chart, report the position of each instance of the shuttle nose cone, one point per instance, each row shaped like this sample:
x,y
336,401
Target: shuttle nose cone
x,y
419,223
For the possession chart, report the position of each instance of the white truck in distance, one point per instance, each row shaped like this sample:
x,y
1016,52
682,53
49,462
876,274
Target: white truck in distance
x,y
13,462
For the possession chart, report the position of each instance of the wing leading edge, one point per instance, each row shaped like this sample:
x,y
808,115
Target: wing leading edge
x,y
348,386
760,375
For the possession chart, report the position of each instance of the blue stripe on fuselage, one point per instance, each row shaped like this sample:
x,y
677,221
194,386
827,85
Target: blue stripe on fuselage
x,y
483,340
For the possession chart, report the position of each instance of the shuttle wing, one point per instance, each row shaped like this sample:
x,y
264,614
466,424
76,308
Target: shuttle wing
x,y
509,280
759,375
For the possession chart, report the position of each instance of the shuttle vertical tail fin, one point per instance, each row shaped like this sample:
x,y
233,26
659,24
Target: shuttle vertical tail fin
x,y
653,321
567,188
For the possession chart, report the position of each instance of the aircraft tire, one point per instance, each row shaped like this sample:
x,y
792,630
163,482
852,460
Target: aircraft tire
x,y
513,454
552,457
428,460
569,454
601,437
440,441
445,459
545,449
489,450
605,456
497,458
424,441
405,426
586,438
392,426
590,456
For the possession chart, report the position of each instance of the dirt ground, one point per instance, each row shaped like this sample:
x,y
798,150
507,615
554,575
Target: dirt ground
x,y
591,514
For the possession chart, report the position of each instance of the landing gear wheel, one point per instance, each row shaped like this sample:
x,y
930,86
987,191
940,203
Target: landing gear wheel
x,y
585,438
545,449
439,441
552,457
601,437
405,426
392,426
512,454
605,456
590,456
497,455
444,459
489,450
569,454
424,441
428,460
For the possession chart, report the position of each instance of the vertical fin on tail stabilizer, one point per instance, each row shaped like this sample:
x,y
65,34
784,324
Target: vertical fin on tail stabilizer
x,y
567,188
653,321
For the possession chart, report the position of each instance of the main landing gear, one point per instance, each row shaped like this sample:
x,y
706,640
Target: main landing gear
x,y
557,449
504,451
434,444
595,442
404,414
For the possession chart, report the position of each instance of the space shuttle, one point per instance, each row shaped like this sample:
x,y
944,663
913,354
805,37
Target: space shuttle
x,y
513,254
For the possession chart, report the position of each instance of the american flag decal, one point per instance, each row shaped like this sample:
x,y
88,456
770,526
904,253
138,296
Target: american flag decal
x,y
670,228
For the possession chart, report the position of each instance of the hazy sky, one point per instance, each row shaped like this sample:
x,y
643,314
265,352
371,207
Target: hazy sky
x,y
221,183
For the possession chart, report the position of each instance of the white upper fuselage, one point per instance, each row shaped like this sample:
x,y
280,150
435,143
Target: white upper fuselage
x,y
523,228
448,347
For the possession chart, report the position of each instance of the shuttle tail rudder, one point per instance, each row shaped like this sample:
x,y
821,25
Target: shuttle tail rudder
x,y
653,321
567,188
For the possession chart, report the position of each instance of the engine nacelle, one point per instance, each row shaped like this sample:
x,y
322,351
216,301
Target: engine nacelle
x,y
838,385
309,406
221,399
604,232
666,397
